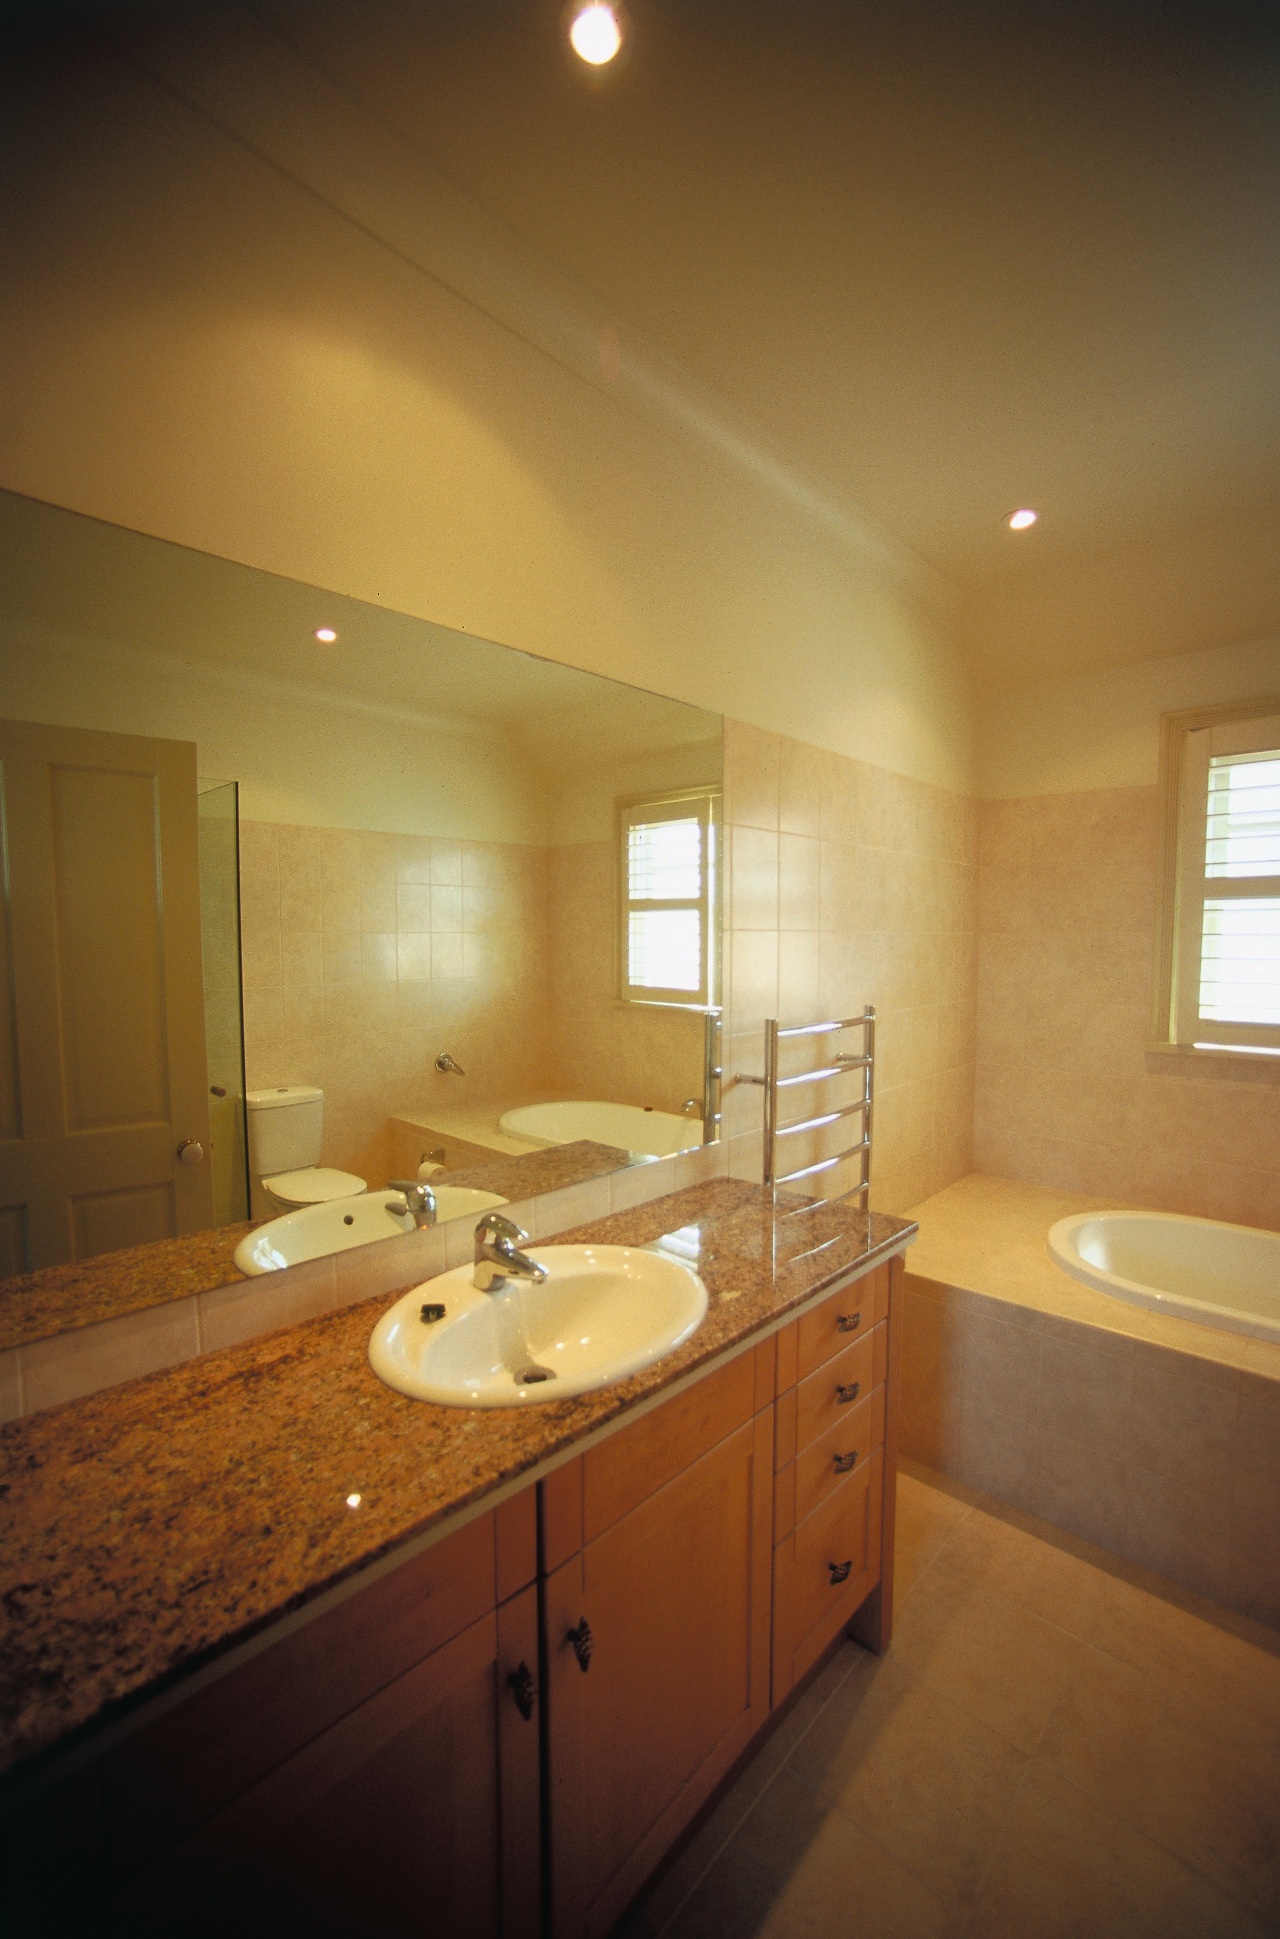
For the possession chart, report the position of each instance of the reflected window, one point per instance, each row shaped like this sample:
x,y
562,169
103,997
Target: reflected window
x,y
668,864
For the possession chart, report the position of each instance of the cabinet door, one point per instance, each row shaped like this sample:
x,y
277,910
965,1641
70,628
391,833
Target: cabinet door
x,y
406,1817
676,1596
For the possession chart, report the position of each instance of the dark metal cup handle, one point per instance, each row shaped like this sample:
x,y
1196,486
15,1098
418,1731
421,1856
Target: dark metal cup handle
x,y
839,1571
848,1322
846,1461
524,1689
583,1643
845,1394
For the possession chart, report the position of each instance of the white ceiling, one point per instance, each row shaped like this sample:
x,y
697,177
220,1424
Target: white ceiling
x,y
119,592
952,258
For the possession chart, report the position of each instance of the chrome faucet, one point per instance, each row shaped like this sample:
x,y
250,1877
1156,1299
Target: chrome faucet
x,y
498,1257
419,1201
449,1066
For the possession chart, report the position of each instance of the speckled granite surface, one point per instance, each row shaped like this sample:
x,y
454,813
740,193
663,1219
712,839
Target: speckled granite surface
x,y
151,1526
534,1172
35,1305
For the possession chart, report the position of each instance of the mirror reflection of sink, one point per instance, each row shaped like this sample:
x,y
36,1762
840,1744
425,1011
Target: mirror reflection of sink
x,y
602,1313
341,1223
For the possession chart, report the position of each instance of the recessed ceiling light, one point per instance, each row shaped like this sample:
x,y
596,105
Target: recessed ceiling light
x,y
325,635
596,33
1021,521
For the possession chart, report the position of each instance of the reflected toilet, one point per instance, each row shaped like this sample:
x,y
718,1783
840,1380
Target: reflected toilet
x,y
286,1127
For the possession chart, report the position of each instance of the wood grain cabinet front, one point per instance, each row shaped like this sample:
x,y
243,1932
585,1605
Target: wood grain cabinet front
x,y
657,1641
378,1770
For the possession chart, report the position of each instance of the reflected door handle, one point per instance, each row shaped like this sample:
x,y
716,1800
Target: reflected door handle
x,y
191,1151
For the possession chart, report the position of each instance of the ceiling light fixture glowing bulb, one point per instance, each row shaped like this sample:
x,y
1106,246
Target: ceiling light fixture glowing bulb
x,y
595,35
325,635
1021,521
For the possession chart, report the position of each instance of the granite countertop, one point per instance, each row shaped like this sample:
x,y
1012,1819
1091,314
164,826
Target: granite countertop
x,y
57,1299
153,1526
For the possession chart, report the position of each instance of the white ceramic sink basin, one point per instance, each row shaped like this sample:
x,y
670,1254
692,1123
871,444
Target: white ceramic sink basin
x,y
314,1230
603,1312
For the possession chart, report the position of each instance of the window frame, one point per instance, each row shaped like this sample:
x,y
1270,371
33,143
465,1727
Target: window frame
x,y
1188,741
676,802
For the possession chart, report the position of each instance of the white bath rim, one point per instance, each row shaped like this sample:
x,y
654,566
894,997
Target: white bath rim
x,y
631,1127
1201,1270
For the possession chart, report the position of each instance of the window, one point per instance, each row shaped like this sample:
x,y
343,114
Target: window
x,y
667,847
1221,988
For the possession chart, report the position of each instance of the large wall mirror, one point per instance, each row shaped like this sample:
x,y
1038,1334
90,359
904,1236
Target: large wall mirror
x,y
412,893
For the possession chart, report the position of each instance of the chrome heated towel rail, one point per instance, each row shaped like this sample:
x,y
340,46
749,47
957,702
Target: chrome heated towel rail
x,y
841,1064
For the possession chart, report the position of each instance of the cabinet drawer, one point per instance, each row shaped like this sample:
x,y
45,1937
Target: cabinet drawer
x,y
634,1463
837,1551
846,1316
827,1395
826,1463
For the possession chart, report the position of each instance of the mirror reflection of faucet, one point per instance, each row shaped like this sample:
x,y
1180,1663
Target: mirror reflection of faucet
x,y
448,1066
419,1201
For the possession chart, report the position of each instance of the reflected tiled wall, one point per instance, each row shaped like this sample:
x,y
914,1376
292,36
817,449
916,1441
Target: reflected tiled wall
x,y
1068,1094
630,1053
365,954
850,885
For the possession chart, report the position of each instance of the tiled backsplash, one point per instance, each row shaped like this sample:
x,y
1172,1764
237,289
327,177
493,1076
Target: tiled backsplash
x,y
70,1365
1068,1093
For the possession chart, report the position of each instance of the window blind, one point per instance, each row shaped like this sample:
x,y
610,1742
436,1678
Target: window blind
x,y
668,898
1240,936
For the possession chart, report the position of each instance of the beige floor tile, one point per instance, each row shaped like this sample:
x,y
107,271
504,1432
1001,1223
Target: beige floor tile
x,y
1065,1870
1202,1788
1206,1659
929,1782
799,1870
985,1651
677,1880
1038,1566
927,1517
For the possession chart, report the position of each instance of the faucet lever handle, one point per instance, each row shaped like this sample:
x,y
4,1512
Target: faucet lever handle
x,y
493,1226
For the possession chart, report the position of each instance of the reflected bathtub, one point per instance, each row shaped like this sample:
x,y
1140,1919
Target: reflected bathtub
x,y
1195,1269
657,1134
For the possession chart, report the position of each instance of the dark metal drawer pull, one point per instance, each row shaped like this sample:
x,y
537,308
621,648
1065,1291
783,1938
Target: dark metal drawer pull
x,y
839,1572
848,1322
846,1461
583,1643
524,1689
845,1394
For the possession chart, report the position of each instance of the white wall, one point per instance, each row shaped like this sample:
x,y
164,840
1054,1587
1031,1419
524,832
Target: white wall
x,y
297,758
205,337
1101,729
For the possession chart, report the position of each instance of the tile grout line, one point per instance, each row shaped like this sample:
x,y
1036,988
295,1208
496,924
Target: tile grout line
x,y
765,1788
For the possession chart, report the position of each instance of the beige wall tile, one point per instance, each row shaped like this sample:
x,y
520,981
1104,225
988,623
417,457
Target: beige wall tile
x,y
92,1357
253,1307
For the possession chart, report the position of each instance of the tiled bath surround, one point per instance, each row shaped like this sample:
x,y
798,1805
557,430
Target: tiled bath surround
x,y
1068,1093
1156,1438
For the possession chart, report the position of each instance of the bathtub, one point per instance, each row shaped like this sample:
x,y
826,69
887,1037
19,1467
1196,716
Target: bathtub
x,y
1196,1269
655,1133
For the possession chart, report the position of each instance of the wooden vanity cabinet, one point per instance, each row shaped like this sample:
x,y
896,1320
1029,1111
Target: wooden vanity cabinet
x,y
834,1486
667,1586
371,1771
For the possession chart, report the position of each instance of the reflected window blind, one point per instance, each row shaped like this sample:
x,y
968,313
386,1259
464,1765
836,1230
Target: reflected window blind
x,y
1240,937
668,862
